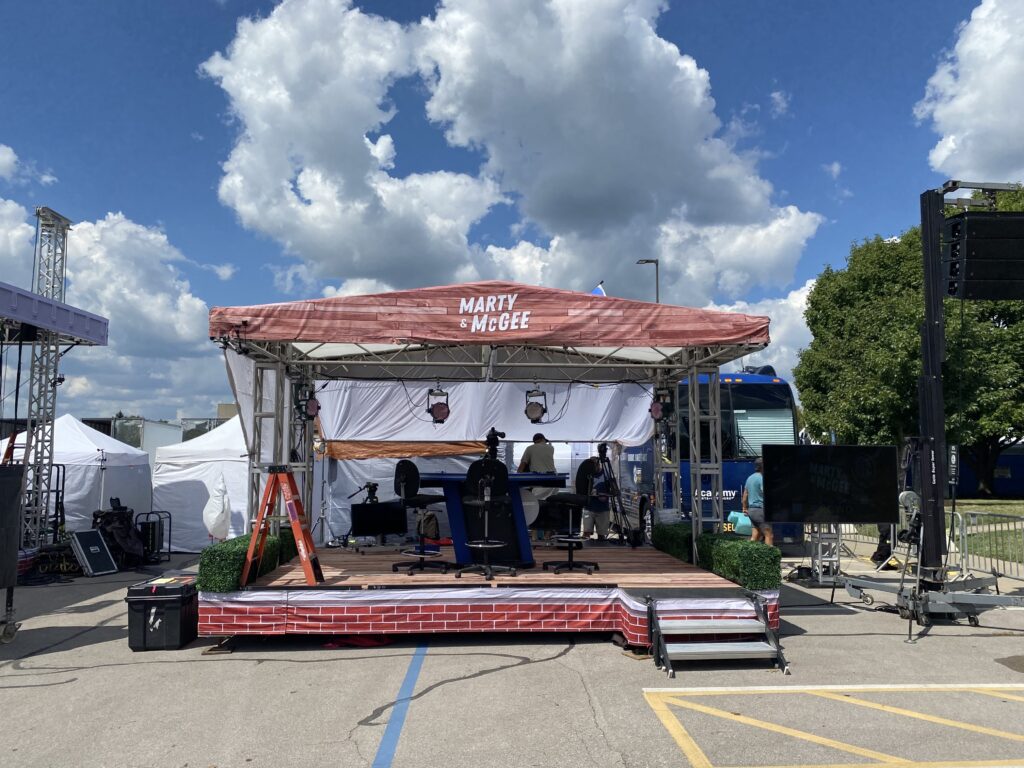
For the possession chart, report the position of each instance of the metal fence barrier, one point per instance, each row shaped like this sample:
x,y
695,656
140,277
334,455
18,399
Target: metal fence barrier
x,y
980,541
993,542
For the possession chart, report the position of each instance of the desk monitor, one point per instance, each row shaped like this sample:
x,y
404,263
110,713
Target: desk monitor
x,y
831,484
385,518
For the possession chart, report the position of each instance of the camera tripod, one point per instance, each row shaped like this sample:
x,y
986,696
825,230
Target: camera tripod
x,y
619,521
371,498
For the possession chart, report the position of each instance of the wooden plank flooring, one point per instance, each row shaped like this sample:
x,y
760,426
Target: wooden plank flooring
x,y
644,567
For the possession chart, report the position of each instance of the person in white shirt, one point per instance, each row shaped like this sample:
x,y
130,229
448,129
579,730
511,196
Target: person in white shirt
x,y
539,457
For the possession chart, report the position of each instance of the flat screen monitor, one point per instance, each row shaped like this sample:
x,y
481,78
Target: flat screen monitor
x,y
385,518
830,484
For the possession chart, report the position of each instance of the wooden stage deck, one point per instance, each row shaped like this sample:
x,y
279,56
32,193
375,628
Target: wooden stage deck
x,y
361,595
622,567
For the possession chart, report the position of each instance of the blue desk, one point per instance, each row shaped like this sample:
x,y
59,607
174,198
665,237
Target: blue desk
x,y
452,485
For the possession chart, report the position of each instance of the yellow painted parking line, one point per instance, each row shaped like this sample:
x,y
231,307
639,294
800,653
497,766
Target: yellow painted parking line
x,y
776,728
919,715
998,694
907,764
763,689
686,743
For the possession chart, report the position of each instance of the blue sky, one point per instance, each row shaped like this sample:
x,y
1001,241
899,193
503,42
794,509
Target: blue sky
x,y
508,155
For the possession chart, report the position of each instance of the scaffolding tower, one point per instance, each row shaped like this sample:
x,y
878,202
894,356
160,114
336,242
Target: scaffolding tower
x,y
705,409
49,264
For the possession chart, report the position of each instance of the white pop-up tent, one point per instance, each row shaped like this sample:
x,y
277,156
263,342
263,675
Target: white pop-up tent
x,y
97,467
187,475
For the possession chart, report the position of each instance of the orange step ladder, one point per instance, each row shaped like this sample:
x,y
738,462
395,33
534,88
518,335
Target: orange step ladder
x,y
281,480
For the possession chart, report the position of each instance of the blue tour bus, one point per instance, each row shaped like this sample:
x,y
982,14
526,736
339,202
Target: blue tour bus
x,y
757,408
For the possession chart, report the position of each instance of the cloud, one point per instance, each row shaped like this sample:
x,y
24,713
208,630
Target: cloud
x,y
16,237
159,360
8,163
606,136
602,136
788,329
833,169
126,271
222,271
974,100
14,170
779,103
357,287
309,87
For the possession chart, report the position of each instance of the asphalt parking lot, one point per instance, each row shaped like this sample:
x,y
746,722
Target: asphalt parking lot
x,y
75,695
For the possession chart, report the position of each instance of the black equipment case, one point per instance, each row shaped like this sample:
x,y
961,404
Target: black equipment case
x,y
163,613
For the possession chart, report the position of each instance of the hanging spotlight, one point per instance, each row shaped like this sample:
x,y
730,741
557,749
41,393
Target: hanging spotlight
x,y
661,408
437,405
305,403
536,405
311,408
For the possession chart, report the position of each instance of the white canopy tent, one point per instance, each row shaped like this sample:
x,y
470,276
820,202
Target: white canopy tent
x,y
187,474
97,467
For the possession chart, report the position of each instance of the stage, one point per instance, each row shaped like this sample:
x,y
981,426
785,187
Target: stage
x,y
361,595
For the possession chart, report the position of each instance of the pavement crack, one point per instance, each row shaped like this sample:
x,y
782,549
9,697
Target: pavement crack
x,y
38,685
594,716
520,661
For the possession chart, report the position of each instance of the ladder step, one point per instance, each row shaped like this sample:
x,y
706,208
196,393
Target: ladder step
x,y
704,650
710,627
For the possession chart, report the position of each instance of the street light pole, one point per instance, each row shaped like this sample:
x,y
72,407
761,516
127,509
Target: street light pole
x,y
657,278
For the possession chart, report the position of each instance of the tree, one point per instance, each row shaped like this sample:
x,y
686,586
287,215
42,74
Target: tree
x,y
859,374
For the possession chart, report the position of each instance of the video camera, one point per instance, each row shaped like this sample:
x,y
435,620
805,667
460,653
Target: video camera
x,y
371,492
491,441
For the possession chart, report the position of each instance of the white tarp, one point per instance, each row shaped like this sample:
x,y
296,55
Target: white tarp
x,y
187,474
97,467
386,410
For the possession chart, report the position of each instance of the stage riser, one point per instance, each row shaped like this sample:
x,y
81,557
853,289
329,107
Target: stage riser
x,y
280,612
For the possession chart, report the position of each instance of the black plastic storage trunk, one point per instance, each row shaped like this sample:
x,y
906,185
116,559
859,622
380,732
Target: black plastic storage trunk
x,y
163,613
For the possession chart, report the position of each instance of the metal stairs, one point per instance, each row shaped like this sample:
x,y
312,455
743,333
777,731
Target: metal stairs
x,y
713,639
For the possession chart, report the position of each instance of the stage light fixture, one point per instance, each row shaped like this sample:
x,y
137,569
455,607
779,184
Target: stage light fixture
x,y
536,405
661,407
437,405
311,408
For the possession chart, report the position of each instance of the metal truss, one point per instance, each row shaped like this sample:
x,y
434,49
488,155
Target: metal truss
x,y
417,361
705,457
48,280
289,438
280,435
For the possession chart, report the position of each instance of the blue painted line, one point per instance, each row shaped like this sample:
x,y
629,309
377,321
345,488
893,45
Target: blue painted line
x,y
389,743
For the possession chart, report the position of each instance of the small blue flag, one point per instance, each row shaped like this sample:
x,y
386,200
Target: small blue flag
x,y
599,290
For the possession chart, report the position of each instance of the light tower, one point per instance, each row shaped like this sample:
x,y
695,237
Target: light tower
x,y
48,281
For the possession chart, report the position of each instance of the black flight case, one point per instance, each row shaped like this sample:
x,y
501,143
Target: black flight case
x,y
163,613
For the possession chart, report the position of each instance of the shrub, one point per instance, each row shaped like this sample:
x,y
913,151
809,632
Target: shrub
x,y
750,564
288,548
220,566
675,539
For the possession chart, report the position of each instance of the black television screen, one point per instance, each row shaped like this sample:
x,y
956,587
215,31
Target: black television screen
x,y
830,484
386,518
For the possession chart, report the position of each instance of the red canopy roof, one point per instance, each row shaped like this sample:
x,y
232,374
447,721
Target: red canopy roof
x,y
489,312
